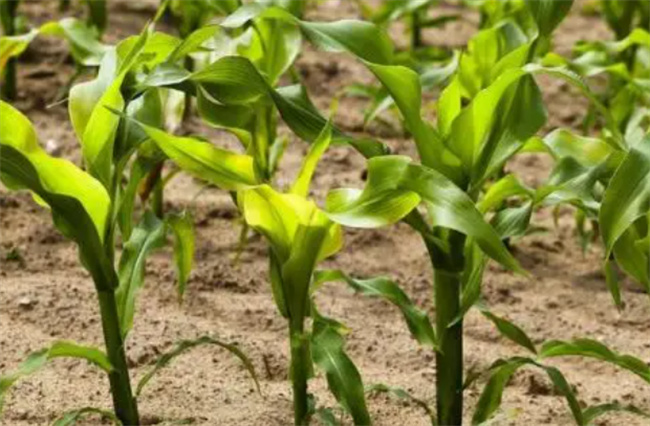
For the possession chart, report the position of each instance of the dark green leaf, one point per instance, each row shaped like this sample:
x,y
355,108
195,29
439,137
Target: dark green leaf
x,y
71,417
416,319
343,377
185,345
594,349
182,226
37,360
510,331
148,236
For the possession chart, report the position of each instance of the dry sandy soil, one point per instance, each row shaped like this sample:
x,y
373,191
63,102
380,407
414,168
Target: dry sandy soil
x,y
47,296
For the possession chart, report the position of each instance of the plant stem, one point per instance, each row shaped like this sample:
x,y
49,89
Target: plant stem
x,y
300,360
447,273
157,199
8,15
125,405
9,84
416,30
188,63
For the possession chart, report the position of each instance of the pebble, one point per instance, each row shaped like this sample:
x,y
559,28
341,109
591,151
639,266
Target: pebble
x,y
26,303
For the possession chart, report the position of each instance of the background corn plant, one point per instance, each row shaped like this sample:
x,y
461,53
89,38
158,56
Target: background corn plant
x,y
89,208
84,39
487,114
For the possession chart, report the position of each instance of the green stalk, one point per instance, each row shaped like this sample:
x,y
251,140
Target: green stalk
x,y
300,367
125,405
9,84
187,111
447,273
157,199
416,30
8,15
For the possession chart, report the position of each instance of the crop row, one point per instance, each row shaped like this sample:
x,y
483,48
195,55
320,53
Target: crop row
x,y
230,65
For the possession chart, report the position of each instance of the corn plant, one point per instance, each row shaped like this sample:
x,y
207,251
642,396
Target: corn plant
x,y
481,124
623,16
414,11
83,37
89,208
8,14
623,63
300,236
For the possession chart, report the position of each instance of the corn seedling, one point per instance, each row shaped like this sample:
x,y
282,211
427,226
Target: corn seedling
x,y
416,14
623,16
300,236
83,37
89,208
486,99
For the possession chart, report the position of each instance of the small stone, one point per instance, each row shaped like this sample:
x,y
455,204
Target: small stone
x,y
53,147
26,303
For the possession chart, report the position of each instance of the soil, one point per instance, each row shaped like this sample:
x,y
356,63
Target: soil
x,y
45,295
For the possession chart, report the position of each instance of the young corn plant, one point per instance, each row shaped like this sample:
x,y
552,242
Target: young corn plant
x,y
623,16
89,208
300,236
272,46
485,116
83,37
622,64
8,19
416,14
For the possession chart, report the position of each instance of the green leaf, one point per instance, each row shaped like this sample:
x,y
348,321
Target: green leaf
x,y
231,80
85,46
303,181
72,417
185,345
493,122
274,47
300,236
632,256
502,371
510,331
471,281
513,221
381,202
416,319
611,279
595,411
362,39
506,187
37,360
490,398
627,196
548,13
278,217
343,378
226,169
594,349
12,46
148,236
394,188
193,42
182,225
403,84
139,169
97,14
589,152
80,205
404,395
564,388
94,124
